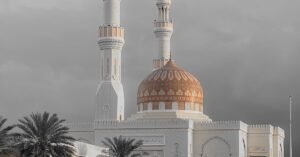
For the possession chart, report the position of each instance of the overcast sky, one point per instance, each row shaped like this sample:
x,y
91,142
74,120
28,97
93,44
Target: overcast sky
x,y
245,54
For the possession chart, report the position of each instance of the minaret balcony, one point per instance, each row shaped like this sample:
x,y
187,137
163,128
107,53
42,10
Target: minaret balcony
x,y
111,37
163,24
163,28
111,31
163,2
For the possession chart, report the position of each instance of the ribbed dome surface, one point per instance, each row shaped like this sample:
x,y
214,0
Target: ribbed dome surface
x,y
170,88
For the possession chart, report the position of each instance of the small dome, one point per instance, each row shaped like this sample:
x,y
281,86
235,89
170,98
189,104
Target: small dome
x,y
170,88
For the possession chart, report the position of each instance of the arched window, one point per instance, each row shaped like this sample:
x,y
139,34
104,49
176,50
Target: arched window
x,y
216,147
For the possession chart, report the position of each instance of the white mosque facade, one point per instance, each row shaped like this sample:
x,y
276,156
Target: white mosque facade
x,y
170,118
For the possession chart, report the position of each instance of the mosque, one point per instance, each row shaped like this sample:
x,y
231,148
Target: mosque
x,y
170,119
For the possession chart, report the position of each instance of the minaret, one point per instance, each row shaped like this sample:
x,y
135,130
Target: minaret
x,y
163,29
110,94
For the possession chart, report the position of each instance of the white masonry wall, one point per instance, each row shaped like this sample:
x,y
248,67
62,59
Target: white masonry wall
x,y
278,142
265,140
84,149
82,131
219,139
188,138
164,138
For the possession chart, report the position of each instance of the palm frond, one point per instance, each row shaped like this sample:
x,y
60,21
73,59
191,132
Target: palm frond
x,y
120,146
44,135
5,137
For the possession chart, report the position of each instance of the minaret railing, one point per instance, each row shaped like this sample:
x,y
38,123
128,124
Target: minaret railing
x,y
111,31
163,24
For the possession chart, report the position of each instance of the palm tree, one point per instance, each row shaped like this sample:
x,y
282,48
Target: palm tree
x,y
5,137
43,135
121,147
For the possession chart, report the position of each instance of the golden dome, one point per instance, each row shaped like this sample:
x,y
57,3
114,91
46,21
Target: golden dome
x,y
170,88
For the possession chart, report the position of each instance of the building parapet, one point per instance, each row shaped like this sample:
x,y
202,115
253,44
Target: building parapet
x,y
144,124
261,129
223,125
80,126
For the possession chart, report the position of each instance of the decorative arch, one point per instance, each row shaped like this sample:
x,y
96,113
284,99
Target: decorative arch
x,y
219,139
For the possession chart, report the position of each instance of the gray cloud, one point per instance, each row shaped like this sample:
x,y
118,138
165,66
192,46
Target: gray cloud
x,y
245,54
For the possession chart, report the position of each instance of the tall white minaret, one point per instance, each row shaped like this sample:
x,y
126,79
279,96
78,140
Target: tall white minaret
x,y
110,94
163,29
